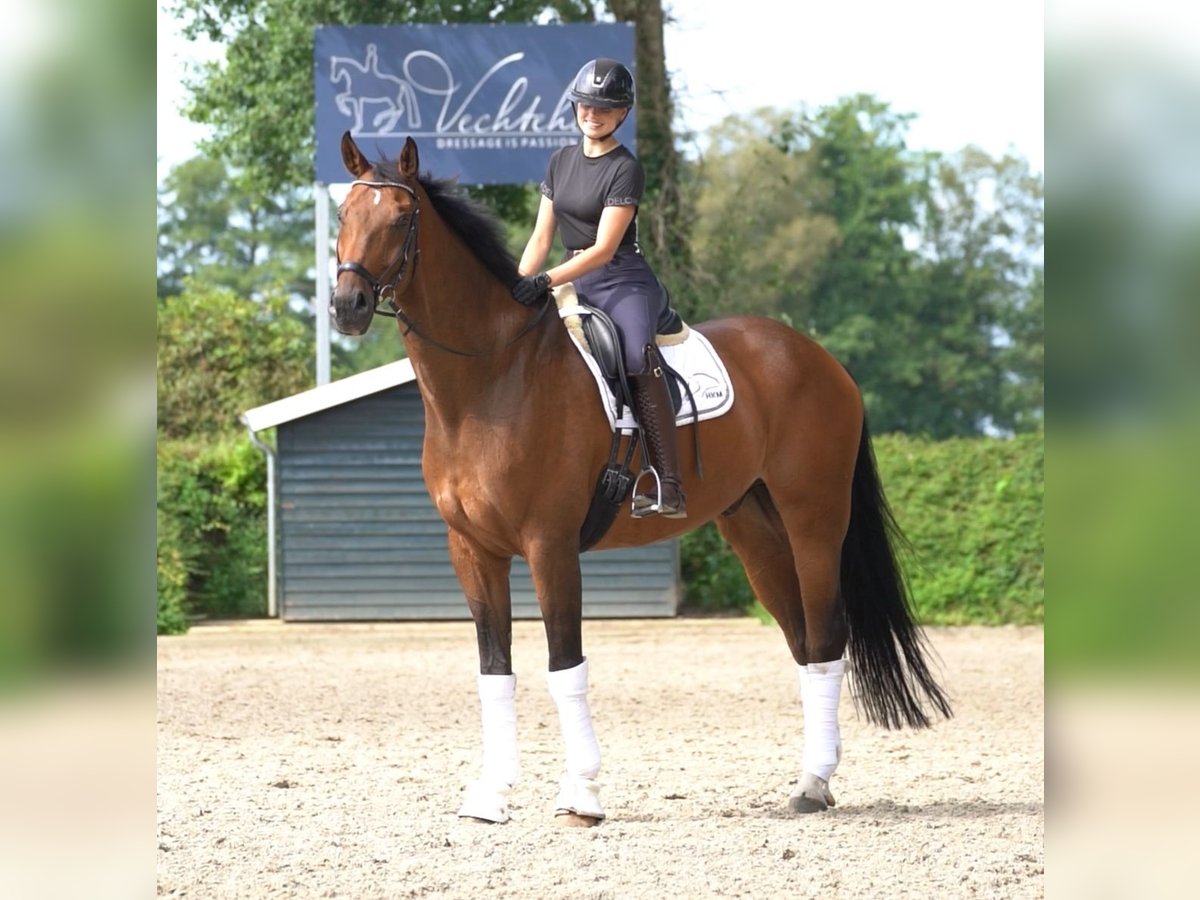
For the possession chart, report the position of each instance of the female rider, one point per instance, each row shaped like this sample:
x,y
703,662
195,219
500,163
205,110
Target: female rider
x,y
590,194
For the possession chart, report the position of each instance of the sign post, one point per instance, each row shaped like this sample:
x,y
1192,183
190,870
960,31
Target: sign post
x,y
321,300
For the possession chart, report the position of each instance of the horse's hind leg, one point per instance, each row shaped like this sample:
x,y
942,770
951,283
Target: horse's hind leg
x,y
816,516
784,573
756,534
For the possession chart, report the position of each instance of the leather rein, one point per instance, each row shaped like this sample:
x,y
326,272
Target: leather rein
x,y
387,292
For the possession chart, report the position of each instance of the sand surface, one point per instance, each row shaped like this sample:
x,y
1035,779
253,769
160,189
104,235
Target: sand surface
x,y
328,761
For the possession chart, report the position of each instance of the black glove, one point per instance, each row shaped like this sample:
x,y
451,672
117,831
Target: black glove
x,y
531,288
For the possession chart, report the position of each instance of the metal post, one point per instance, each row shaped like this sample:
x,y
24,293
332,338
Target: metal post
x,y
321,301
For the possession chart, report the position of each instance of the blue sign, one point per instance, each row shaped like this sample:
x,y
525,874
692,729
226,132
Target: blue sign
x,y
487,104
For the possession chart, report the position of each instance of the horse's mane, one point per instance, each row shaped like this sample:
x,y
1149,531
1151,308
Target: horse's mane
x,y
475,224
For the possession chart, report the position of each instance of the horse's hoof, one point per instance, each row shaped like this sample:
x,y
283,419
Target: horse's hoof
x,y
805,804
578,802
811,795
573,820
485,802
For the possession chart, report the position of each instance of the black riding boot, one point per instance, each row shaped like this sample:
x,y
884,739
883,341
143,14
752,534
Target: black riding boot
x,y
655,415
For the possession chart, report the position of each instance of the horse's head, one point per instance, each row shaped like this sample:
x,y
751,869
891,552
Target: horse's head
x,y
377,236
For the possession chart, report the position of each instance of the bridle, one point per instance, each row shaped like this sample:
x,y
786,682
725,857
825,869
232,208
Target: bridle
x,y
387,292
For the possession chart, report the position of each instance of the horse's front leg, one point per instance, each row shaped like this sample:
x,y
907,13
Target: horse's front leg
x,y
554,565
484,579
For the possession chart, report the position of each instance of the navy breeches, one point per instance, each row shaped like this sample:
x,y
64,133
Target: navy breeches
x,y
628,292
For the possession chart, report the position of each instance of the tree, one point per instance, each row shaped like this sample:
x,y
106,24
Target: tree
x,y
665,214
220,354
212,228
918,272
931,273
759,242
982,276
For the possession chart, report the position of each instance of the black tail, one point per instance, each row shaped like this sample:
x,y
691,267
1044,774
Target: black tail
x,y
887,648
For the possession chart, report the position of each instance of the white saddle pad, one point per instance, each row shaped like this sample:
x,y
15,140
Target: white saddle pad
x,y
694,359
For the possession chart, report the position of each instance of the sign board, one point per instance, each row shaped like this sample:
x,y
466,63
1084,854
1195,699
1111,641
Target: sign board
x,y
487,104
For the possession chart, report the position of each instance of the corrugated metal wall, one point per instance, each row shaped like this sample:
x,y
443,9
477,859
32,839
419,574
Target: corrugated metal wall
x,y
360,538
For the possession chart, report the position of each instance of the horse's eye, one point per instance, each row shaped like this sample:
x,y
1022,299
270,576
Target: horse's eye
x,y
400,221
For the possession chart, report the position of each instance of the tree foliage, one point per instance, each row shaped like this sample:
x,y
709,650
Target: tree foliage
x,y
759,238
220,354
211,530
214,229
920,273
981,259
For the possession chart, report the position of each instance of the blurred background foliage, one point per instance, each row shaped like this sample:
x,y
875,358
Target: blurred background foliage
x,y
75,387
212,533
922,272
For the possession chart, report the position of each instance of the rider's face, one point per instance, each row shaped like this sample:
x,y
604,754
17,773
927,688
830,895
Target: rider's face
x,y
598,121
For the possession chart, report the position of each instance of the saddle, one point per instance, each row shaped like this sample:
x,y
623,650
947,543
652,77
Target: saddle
x,y
604,341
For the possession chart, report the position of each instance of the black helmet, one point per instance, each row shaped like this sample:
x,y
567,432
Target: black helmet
x,y
605,83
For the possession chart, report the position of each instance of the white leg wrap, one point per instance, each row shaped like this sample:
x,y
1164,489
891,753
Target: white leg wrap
x,y
487,798
578,791
820,692
580,796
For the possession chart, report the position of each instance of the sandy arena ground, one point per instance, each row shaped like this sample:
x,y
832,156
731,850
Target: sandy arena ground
x,y
328,761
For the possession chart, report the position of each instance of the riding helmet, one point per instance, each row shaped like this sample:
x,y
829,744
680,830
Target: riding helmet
x,y
605,83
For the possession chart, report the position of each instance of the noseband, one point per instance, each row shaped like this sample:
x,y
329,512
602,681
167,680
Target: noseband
x,y
387,291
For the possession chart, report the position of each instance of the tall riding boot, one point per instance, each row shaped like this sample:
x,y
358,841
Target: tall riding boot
x,y
655,415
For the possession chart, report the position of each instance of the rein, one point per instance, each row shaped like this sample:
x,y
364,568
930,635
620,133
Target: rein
x,y
387,292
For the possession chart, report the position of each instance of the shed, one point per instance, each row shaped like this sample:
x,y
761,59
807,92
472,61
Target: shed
x,y
354,535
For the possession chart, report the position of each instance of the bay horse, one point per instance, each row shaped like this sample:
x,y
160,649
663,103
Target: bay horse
x,y
513,444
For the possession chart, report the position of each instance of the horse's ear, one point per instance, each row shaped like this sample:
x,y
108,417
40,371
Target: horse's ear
x,y
408,159
356,164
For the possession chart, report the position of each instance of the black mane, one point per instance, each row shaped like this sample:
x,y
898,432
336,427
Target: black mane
x,y
475,224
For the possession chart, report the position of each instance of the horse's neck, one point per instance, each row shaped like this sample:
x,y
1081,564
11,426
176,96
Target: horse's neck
x,y
496,388
462,306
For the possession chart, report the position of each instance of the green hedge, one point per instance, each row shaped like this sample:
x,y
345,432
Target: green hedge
x,y
212,545
972,511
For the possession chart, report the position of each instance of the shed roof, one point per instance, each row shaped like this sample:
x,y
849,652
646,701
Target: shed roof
x,y
329,395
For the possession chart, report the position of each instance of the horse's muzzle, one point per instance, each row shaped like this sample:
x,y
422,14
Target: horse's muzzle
x,y
352,310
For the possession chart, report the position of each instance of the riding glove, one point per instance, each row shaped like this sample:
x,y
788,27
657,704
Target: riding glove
x,y
531,288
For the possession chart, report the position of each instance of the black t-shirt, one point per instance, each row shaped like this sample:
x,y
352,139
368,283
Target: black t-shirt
x,y
581,187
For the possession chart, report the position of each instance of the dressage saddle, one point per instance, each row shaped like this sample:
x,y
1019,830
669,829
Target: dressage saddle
x,y
616,479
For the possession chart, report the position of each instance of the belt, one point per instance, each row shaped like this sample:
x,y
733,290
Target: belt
x,y
635,247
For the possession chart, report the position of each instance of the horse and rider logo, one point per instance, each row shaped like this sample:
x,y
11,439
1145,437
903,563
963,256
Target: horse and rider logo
x,y
363,87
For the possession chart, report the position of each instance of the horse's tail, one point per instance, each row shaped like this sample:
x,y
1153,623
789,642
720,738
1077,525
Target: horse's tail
x,y
887,647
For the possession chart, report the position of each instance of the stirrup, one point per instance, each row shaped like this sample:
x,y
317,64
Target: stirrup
x,y
645,506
